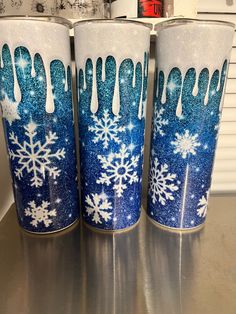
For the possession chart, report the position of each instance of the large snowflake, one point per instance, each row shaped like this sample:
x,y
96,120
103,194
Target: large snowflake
x,y
9,110
119,170
98,206
202,205
106,129
34,157
161,186
185,144
159,122
40,213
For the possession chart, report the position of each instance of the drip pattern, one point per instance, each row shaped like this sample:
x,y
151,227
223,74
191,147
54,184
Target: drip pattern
x,y
41,144
111,127
184,143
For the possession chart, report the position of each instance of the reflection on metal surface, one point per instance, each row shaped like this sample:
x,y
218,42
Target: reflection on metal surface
x,y
172,260
144,271
111,265
52,272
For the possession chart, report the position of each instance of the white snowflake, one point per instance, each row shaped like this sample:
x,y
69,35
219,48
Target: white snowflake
x,y
34,157
119,170
106,129
202,205
10,110
40,214
185,144
161,186
98,206
159,122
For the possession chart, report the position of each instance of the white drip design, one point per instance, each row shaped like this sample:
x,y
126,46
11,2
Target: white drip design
x,y
94,99
157,83
141,96
163,97
17,91
103,70
50,107
134,78
116,97
206,99
1,62
195,88
33,73
179,108
66,80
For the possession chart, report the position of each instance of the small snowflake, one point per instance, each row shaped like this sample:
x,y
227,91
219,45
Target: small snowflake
x,y
202,205
119,169
34,157
159,122
98,207
161,184
186,144
40,214
9,110
106,129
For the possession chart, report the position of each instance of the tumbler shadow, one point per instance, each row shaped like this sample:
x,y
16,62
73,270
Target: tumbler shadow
x,y
169,268
52,272
110,266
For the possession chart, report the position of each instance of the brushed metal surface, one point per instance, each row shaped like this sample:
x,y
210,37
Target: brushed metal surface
x,y
146,270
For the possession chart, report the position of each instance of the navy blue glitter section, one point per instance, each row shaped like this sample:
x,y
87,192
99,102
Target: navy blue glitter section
x,y
52,133
179,188
104,205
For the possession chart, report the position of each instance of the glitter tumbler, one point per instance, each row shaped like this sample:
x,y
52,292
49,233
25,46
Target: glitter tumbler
x,y
112,71
36,102
192,59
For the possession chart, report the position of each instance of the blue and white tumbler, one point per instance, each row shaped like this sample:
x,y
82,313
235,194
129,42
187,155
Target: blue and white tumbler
x,y
192,58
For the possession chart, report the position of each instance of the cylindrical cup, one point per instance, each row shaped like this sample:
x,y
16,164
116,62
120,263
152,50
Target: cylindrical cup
x,y
36,101
192,61
112,71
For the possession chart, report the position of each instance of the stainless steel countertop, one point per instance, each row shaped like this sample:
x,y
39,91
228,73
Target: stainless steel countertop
x,y
146,270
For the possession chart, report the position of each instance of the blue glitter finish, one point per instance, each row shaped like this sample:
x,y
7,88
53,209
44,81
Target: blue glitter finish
x,y
183,147
41,145
111,146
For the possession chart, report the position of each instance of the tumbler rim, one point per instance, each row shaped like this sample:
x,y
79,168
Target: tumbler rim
x,y
182,21
39,18
115,21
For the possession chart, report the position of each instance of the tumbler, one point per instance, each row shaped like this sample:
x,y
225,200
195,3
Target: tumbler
x,y
36,102
112,72
192,59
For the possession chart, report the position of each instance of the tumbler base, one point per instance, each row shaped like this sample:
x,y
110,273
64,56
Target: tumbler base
x,y
176,230
94,229
61,231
